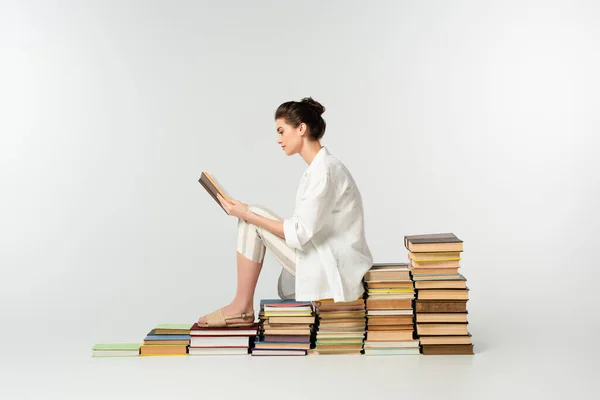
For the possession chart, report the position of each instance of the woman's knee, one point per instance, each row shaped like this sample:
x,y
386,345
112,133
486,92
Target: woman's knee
x,y
260,210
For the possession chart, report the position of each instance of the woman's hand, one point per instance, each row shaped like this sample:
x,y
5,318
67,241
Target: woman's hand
x,y
236,208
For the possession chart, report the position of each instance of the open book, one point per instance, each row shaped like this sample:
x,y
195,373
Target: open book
x,y
211,186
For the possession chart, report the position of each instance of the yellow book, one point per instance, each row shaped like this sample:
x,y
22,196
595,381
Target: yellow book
x,y
288,314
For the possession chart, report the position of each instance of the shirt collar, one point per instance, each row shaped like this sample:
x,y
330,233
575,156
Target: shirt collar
x,y
318,159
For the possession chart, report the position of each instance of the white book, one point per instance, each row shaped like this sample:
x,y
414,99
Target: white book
x,y
405,344
392,352
208,351
200,341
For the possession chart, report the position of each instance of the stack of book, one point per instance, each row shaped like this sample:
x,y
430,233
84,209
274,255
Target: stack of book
x,y
116,350
341,327
390,322
225,341
285,328
167,340
442,293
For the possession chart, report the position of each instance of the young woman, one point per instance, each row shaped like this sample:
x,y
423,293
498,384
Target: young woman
x,y
322,247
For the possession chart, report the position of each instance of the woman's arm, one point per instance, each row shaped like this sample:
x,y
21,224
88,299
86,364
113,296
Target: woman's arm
x,y
272,225
238,209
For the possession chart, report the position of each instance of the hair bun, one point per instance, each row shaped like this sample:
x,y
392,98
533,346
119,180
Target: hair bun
x,y
315,105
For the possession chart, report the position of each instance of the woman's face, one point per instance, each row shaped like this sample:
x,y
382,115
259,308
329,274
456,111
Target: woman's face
x,y
289,138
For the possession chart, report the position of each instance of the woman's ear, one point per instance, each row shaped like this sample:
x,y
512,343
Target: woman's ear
x,y
302,128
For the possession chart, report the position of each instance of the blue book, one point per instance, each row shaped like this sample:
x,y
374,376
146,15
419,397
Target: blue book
x,y
287,302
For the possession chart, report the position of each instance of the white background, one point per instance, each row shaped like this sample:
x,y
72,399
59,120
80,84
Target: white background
x,y
478,118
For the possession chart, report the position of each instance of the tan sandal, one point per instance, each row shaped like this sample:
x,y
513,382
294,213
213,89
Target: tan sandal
x,y
217,319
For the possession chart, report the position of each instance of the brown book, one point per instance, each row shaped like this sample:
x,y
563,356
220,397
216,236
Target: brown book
x,y
372,328
442,329
435,264
429,306
295,332
325,303
291,320
434,271
390,320
343,322
454,339
389,336
443,294
390,284
341,314
390,275
442,256
442,317
448,349
439,284
287,338
380,304
267,325
380,266
171,331
436,277
212,188
335,339
433,243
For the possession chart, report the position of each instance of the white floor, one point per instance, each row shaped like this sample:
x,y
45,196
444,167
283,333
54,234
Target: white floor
x,y
516,357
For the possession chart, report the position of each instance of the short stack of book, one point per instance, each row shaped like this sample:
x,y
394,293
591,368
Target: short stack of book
x,y
390,323
116,350
222,341
285,328
442,293
167,340
340,327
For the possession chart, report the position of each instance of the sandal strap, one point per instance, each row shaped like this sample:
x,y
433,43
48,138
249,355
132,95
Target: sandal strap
x,y
243,315
217,319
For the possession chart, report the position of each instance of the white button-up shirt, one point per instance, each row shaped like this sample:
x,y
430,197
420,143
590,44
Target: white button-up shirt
x,y
327,231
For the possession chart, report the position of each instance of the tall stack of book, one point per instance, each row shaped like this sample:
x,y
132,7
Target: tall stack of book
x,y
442,293
223,341
285,328
341,327
167,340
390,322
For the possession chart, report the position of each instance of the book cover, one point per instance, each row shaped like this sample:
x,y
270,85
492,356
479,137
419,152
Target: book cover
x,y
433,242
284,303
208,182
184,327
432,238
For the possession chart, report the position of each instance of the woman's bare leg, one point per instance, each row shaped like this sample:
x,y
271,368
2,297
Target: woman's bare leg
x,y
247,277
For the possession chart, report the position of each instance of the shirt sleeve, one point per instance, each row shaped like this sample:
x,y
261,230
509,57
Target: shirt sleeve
x,y
311,211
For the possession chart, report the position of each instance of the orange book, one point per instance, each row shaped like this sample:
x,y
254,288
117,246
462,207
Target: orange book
x,y
163,350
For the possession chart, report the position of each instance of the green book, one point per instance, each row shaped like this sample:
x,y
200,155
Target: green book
x,y
116,350
175,326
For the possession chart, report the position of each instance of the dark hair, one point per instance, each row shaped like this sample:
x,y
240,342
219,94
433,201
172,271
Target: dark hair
x,y
308,111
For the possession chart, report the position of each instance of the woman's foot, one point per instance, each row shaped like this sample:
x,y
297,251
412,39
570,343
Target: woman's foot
x,y
232,310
